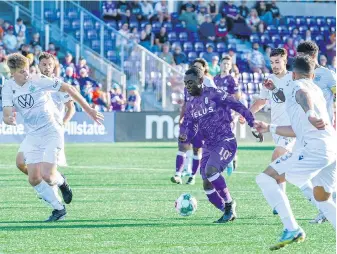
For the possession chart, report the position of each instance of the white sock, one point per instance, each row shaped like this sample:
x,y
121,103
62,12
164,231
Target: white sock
x,y
308,192
59,179
283,186
278,200
328,208
46,192
56,191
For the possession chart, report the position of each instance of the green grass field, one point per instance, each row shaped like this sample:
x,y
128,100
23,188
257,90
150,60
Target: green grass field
x,y
124,203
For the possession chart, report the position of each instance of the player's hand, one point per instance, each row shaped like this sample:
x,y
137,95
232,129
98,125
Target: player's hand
x,y
242,120
12,119
317,122
96,116
259,137
269,84
182,138
261,127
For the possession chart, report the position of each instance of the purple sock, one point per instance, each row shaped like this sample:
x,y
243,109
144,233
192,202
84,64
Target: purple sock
x,y
195,164
219,183
180,161
214,197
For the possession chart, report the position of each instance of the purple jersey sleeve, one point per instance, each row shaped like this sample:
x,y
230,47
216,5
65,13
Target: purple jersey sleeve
x,y
232,87
189,128
229,101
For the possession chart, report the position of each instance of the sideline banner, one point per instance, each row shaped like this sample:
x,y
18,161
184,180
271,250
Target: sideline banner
x,y
81,129
164,126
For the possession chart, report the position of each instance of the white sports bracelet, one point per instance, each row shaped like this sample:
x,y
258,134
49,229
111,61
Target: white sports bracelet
x,y
311,113
272,128
275,90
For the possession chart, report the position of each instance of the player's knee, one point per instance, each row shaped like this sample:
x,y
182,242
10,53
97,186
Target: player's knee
x,y
207,185
320,194
183,147
196,151
263,179
34,179
47,177
211,171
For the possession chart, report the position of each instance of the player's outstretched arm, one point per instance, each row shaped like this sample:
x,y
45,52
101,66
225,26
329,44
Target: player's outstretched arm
x,y
9,117
268,84
240,108
263,127
70,111
304,100
72,91
188,128
182,112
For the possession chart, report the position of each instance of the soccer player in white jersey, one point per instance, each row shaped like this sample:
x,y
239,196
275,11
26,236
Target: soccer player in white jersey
x,y
197,141
47,64
30,96
326,80
312,159
274,90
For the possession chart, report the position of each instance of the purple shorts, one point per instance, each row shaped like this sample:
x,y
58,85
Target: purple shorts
x,y
218,157
197,141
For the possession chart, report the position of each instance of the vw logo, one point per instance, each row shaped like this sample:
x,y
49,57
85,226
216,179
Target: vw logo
x,y
26,101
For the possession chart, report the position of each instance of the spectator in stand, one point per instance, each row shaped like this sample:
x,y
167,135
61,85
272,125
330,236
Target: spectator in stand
x,y
256,60
147,10
134,100
207,30
68,61
116,98
20,27
6,26
30,57
2,32
243,10
214,68
221,31
69,78
183,8
233,15
134,35
33,70
166,55
261,29
265,15
86,83
290,47
253,20
99,98
136,10
161,11
333,64
10,41
201,16
37,52
82,63
323,61
121,40
52,49
267,51
127,18
25,49
189,18
4,69
232,54
109,9
331,47
274,9
213,9
35,40
147,37
208,56
201,5
21,39
296,37
161,38
179,56
122,7
308,35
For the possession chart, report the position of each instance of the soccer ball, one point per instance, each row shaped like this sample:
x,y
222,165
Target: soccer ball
x,y
186,205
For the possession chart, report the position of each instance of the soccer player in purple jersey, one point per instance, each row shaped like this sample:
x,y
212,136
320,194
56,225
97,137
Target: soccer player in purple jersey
x,y
226,82
208,113
196,142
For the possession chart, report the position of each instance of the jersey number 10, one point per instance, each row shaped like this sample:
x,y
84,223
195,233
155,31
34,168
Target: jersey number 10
x,y
225,154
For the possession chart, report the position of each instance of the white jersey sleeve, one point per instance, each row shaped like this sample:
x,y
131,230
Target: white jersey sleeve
x,y
46,83
208,82
7,95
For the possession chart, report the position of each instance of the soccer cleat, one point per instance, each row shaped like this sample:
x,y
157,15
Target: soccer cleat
x,y
235,164
57,215
319,219
289,237
176,179
66,191
230,213
230,168
191,180
275,212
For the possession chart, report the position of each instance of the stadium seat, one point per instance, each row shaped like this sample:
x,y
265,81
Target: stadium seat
x,y
188,47
271,29
75,24
175,44
72,14
290,20
285,38
191,56
331,21
210,44
77,34
265,39
179,28
314,30
252,88
243,88
250,100
168,26
221,47
320,21
311,21
95,45
194,36
112,24
92,35
246,77
302,29
199,47
300,21
254,38
134,24
172,37
231,46
88,25
175,17
143,24
283,30
50,15
108,45
276,39
67,25
183,37
156,27
258,77
112,55
291,29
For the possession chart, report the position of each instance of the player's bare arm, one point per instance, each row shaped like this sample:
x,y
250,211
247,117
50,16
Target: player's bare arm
x,y
72,91
304,100
70,111
278,92
263,127
182,112
9,117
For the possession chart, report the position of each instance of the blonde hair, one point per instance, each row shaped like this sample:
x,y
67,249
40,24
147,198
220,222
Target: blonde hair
x,y
16,61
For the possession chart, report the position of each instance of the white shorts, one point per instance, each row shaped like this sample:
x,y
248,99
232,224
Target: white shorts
x,y
304,165
285,142
43,149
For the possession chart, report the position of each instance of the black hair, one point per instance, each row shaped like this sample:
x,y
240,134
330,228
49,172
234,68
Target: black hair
x,y
308,48
195,71
279,52
303,65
